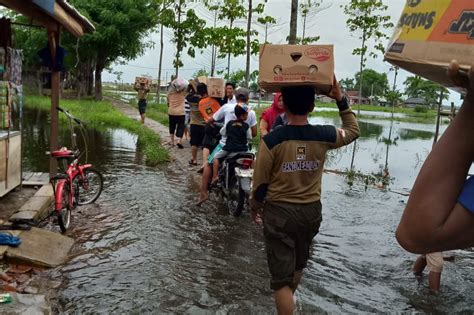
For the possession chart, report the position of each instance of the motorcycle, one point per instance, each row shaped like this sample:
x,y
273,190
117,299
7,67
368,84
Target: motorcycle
x,y
235,181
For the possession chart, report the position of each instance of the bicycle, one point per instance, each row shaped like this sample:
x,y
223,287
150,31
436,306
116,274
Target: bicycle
x,y
78,184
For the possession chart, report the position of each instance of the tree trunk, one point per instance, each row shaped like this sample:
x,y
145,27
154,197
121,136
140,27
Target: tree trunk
x,y
90,78
214,50
228,47
178,40
247,65
158,89
361,75
98,82
293,22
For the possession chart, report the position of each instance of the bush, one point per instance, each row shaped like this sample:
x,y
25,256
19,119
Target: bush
x,y
421,109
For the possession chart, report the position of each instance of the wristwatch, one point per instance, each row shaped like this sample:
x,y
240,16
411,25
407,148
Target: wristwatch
x,y
343,104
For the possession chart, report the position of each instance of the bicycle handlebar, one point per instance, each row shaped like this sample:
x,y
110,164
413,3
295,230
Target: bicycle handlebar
x,y
69,115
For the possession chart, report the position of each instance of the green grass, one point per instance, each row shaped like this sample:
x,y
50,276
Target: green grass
x,y
100,115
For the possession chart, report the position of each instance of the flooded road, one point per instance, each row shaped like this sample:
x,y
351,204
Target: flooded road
x,y
145,248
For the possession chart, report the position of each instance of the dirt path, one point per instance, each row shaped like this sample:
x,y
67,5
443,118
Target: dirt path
x,y
178,156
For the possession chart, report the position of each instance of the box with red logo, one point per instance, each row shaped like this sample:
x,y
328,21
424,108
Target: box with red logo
x,y
293,65
431,33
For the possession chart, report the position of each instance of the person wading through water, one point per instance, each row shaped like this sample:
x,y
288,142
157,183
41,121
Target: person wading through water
x,y
287,186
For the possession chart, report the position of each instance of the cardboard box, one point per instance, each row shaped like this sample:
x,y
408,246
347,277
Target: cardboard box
x,y
216,87
143,80
202,79
292,65
431,33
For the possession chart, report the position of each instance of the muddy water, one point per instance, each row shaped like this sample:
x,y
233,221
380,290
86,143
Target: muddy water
x,y
144,248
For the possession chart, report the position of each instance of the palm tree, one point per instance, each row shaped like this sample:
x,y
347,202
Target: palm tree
x,y
414,86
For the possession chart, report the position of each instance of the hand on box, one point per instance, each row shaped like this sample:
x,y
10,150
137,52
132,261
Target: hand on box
x,y
461,79
336,92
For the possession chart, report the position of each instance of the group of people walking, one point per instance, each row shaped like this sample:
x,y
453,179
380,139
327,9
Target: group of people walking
x,y
286,193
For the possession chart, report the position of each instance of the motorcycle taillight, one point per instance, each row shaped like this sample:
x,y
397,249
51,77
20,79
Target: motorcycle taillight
x,y
246,163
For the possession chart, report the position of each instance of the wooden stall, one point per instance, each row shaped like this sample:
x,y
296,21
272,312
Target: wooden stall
x,y
53,15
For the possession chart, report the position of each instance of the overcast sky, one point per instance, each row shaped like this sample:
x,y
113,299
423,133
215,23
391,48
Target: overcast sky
x,y
329,25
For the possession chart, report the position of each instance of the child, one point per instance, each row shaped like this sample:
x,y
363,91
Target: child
x,y
238,134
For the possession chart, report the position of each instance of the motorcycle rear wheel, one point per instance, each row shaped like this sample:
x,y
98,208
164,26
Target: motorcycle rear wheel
x,y
236,197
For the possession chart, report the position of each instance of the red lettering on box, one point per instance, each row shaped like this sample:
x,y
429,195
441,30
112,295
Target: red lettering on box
x,y
318,53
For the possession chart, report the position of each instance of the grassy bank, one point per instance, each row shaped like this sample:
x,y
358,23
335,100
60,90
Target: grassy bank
x,y
101,115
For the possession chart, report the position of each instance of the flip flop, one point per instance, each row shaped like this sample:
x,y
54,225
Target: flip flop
x,y
201,170
179,145
192,163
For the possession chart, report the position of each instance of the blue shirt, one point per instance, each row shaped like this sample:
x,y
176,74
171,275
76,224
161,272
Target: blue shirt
x,y
466,198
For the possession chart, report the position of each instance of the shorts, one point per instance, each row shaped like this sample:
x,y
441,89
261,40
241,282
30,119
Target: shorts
x,y
215,152
289,230
176,124
435,262
211,137
142,106
197,135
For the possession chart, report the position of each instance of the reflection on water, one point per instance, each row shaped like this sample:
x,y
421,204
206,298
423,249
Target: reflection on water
x,y
401,149
144,247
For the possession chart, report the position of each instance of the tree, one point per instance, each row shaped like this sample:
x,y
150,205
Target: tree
x,y
376,83
347,84
293,22
165,4
122,28
367,18
253,44
308,10
201,72
431,92
188,31
249,25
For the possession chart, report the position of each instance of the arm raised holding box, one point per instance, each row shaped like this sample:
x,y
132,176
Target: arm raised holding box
x,y
440,211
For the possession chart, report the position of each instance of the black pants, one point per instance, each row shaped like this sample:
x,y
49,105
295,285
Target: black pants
x,y
176,125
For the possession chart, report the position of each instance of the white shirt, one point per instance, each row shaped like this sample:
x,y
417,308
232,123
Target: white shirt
x,y
226,113
232,101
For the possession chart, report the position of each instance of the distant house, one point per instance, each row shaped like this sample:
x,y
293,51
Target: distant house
x,y
413,102
355,99
381,101
324,99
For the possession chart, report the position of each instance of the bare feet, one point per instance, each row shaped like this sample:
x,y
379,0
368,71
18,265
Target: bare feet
x,y
202,199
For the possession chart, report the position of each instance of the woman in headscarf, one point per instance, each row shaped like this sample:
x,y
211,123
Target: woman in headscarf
x,y
270,114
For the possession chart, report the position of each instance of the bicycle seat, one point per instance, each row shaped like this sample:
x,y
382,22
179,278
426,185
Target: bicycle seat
x,y
63,154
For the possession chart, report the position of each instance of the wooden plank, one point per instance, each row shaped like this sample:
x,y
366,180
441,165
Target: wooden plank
x,y
14,162
27,9
67,21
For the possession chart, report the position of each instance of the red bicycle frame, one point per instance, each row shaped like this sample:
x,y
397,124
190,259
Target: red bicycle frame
x,y
73,169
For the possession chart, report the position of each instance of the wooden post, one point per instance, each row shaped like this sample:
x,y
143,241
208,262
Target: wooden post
x,y
438,118
53,36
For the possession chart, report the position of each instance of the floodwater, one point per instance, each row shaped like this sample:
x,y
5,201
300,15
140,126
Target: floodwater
x,y
144,247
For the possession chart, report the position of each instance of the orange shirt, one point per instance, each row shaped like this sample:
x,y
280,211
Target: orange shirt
x,y
208,106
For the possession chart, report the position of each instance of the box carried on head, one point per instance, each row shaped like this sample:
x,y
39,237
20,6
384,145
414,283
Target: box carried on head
x,y
430,34
143,80
292,65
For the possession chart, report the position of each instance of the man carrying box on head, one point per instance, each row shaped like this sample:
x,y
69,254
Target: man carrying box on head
x,y
142,87
286,188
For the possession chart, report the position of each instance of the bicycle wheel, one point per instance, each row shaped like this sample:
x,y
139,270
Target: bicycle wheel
x,y
88,187
64,216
